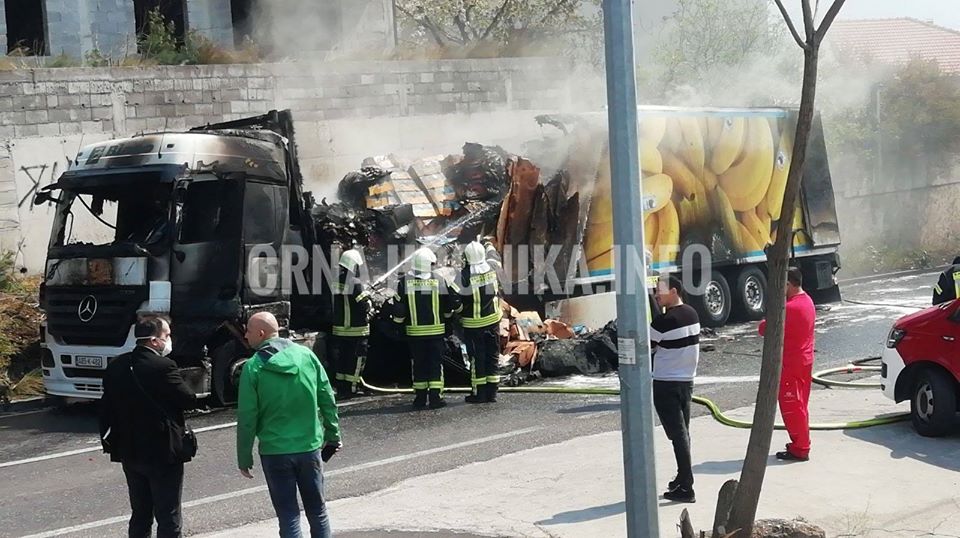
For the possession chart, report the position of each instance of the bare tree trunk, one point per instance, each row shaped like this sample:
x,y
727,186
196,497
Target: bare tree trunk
x,y
744,510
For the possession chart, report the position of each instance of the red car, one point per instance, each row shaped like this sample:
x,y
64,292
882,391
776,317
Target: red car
x,y
921,363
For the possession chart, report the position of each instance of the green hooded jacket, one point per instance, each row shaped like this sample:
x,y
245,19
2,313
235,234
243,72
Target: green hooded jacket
x,y
281,388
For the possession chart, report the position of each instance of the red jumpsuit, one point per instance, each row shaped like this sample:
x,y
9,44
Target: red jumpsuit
x,y
797,374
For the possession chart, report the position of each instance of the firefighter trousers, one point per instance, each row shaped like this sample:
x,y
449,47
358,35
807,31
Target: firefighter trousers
x,y
427,355
483,347
349,354
794,398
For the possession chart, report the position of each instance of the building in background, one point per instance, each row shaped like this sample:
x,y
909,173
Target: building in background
x,y
76,28
896,41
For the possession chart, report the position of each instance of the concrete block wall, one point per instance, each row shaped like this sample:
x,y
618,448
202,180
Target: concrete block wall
x,y
343,111
77,27
212,19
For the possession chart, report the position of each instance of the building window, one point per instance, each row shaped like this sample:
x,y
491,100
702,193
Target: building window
x,y
26,31
241,12
172,11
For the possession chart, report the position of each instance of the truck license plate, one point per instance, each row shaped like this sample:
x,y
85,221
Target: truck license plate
x,y
86,361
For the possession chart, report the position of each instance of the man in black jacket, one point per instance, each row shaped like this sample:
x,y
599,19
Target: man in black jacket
x,y
142,390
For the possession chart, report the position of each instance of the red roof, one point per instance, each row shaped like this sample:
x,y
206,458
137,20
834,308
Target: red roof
x,y
895,41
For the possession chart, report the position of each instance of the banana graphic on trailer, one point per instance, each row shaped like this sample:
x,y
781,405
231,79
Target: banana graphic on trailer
x,y
712,176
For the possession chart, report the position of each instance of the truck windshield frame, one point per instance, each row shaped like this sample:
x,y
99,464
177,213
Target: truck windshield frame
x,y
123,207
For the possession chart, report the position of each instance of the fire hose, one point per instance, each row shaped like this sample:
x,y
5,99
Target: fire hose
x,y
715,411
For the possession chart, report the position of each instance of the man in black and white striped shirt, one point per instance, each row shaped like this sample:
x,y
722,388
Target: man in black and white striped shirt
x,y
675,337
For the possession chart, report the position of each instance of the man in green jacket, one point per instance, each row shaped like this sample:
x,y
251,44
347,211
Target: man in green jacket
x,y
281,387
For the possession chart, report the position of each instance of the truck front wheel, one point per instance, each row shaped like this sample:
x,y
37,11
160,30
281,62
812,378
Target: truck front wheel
x,y
933,405
714,305
226,360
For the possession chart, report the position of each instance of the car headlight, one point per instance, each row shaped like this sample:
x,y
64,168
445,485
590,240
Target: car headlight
x,y
895,336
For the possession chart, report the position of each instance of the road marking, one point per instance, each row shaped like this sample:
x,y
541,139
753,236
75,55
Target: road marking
x,y
68,453
260,489
22,413
724,379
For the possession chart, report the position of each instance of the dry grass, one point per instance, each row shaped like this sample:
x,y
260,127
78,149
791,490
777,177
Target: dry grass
x,y
20,319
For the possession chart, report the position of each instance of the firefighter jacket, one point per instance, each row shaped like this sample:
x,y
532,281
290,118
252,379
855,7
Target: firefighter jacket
x,y
423,305
349,308
948,286
480,294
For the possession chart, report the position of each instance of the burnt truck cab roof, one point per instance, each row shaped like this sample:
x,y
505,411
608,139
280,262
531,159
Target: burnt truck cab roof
x,y
163,156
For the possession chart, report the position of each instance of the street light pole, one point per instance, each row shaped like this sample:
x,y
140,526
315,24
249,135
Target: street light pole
x,y
633,342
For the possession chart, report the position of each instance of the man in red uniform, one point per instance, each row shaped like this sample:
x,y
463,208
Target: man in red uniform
x,y
797,373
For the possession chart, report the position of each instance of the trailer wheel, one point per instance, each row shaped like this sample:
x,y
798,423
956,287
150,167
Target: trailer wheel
x,y
227,361
714,305
751,294
933,404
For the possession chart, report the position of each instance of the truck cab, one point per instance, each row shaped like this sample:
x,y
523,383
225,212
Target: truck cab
x,y
921,363
165,223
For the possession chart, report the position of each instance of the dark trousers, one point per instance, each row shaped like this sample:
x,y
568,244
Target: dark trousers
x,y
349,353
483,346
672,401
287,473
155,491
427,355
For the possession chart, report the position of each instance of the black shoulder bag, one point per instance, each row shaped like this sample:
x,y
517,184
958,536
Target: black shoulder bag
x,y
181,439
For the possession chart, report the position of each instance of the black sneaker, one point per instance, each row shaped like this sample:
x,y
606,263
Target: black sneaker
x,y
681,495
673,484
786,455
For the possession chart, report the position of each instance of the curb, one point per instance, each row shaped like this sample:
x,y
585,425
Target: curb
x,y
27,404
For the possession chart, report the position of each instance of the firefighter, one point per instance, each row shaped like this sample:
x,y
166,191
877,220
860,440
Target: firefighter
x,y
351,325
480,318
423,303
948,286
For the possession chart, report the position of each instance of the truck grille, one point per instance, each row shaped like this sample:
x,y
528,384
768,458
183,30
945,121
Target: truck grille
x,y
104,320
83,372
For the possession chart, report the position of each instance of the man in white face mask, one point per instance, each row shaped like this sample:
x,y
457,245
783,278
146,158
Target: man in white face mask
x,y
143,395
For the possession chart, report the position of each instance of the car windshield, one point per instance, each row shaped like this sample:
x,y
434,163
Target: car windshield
x,y
137,214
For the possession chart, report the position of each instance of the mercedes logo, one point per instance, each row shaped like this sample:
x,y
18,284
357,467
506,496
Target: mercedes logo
x,y
87,308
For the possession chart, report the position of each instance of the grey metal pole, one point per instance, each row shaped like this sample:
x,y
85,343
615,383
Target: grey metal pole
x,y
636,395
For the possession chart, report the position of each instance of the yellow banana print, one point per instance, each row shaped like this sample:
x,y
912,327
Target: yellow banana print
x,y
747,180
692,149
653,128
651,227
728,144
781,168
668,234
660,186
748,243
684,180
754,225
728,219
650,160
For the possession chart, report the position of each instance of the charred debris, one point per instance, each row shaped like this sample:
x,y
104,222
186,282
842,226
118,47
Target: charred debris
x,y
445,201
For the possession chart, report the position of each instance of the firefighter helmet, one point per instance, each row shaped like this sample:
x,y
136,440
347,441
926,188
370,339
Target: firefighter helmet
x,y
423,260
351,259
476,257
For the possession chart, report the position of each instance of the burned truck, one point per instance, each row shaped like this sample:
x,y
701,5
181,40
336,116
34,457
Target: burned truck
x,y
165,223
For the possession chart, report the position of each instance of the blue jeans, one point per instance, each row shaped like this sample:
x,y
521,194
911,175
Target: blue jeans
x,y
286,474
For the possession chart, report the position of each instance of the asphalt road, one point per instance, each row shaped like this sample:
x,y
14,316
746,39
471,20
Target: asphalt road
x,y
55,482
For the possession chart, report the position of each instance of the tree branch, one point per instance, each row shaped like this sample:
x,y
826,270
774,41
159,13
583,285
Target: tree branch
x,y
496,19
553,11
425,22
808,23
793,29
827,21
